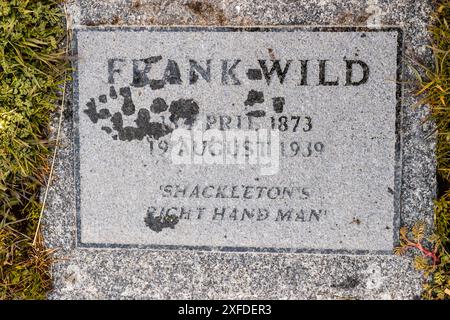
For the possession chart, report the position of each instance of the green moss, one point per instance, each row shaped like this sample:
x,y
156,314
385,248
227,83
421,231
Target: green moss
x,y
31,69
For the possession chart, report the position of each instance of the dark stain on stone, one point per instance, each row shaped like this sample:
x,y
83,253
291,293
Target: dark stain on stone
x,y
207,11
159,105
91,23
136,4
104,114
254,74
154,130
186,109
125,133
362,18
348,283
102,98
278,104
92,113
271,54
159,223
256,113
254,97
363,35
198,7
390,190
107,129
353,17
144,127
128,107
112,92
115,20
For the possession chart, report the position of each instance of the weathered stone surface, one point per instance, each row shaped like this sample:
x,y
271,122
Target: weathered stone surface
x,y
333,171
145,273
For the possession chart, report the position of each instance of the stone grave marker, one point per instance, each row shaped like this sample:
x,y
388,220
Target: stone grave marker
x,y
163,115
238,161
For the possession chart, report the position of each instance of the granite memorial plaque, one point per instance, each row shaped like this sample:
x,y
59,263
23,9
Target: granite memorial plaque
x,y
238,139
253,156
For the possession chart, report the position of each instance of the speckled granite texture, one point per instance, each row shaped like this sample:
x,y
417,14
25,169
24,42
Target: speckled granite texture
x,y
85,273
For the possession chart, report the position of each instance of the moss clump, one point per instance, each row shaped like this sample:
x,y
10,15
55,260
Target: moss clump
x,y
32,68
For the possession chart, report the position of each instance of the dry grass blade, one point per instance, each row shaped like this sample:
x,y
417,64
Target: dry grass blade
x,y
55,151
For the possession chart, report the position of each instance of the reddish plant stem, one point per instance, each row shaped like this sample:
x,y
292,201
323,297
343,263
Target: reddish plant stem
x,y
426,252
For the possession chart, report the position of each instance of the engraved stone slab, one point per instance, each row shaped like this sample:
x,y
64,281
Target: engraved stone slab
x,y
323,104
